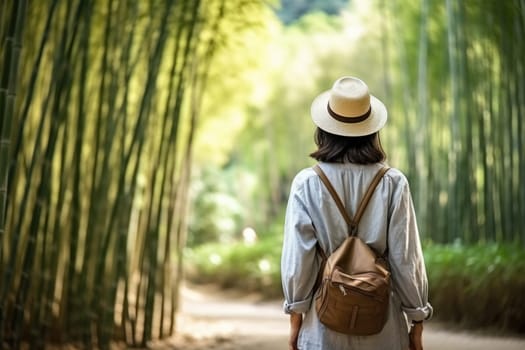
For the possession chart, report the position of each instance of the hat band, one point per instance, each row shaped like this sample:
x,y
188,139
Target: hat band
x,y
351,120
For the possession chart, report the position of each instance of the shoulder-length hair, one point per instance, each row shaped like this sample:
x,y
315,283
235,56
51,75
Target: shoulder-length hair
x,y
341,149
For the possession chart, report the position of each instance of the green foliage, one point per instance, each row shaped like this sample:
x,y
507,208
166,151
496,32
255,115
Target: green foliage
x,y
478,286
216,212
248,267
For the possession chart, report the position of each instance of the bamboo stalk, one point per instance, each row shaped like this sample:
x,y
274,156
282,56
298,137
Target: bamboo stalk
x,y
7,96
471,161
453,116
8,80
76,292
509,64
166,118
126,271
80,286
463,186
153,238
121,270
520,99
421,138
50,260
4,21
406,98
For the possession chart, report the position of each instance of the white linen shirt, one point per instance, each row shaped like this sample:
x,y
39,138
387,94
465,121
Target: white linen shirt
x,y
312,216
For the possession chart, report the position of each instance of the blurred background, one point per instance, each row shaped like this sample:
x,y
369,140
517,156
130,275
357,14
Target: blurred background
x,y
144,143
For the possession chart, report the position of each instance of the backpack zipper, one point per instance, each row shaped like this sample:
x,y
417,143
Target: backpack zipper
x,y
345,291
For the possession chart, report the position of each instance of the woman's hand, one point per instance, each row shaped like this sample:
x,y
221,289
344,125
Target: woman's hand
x,y
296,320
416,337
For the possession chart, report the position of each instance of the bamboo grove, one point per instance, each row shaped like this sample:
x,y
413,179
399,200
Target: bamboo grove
x,y
99,101
458,84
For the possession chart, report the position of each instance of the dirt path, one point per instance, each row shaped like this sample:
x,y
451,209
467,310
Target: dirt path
x,y
213,319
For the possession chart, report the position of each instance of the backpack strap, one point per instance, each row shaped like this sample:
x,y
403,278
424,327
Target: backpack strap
x,y
352,224
368,195
334,194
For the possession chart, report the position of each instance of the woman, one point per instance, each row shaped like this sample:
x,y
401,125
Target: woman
x,y
349,151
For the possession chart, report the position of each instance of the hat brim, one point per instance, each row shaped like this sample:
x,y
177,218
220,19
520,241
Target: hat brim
x,y
325,121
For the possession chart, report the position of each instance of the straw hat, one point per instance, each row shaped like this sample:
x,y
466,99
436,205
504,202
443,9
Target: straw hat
x,y
348,109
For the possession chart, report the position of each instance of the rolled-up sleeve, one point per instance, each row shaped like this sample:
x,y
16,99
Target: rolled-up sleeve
x,y
406,256
299,261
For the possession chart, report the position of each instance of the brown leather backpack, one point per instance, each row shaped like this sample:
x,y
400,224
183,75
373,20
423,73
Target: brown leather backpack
x,y
354,282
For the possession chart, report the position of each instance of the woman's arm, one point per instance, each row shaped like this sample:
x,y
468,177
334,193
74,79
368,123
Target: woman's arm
x,y
296,320
299,261
416,336
407,262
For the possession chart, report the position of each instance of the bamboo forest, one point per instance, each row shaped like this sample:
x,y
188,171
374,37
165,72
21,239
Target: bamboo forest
x,y
144,142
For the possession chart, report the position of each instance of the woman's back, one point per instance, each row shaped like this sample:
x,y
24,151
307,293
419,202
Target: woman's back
x,y
312,206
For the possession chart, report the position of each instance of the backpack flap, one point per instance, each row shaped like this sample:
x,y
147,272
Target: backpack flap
x,y
345,255
354,265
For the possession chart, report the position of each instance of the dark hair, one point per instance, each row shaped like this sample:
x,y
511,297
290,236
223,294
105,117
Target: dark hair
x,y
339,149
